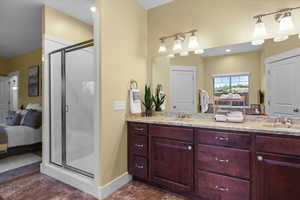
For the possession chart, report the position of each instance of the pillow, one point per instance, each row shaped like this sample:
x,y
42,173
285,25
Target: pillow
x,y
13,120
37,107
32,118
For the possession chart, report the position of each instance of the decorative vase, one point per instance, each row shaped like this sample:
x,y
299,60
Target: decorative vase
x,y
148,113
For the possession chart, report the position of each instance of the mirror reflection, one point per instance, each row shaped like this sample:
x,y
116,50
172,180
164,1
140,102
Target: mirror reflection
x,y
257,79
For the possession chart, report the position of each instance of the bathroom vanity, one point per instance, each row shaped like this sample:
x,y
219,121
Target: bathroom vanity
x,y
214,161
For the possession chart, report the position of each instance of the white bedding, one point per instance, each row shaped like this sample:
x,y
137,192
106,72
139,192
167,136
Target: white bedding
x,y
23,135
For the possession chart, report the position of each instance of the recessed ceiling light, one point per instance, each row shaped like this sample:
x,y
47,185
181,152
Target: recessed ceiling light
x,y
228,50
93,9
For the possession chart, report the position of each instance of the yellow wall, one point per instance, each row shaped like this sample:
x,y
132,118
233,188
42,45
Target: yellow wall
x,y
21,63
236,63
64,27
3,66
123,35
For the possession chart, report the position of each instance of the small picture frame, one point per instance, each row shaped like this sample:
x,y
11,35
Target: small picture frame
x,y
33,81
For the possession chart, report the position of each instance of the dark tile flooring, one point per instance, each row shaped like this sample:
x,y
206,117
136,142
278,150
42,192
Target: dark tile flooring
x,y
27,183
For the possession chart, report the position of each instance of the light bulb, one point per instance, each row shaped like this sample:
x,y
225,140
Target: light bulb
x,y
162,47
199,51
93,9
228,50
184,53
193,42
177,45
260,32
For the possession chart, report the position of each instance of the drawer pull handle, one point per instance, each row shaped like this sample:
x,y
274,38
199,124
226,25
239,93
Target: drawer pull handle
x,y
222,189
222,138
222,161
260,158
139,166
139,129
139,145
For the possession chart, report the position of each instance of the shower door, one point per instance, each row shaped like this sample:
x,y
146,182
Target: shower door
x,y
73,108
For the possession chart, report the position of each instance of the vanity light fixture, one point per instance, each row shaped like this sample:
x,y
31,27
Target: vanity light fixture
x,y
286,26
179,40
260,32
162,47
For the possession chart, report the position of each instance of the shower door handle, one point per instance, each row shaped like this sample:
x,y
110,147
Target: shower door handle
x,y
67,108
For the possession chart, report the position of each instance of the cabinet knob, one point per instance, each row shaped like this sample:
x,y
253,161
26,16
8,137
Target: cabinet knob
x,y
260,158
190,147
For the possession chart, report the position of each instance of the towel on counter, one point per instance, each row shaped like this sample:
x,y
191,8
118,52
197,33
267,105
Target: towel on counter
x,y
3,140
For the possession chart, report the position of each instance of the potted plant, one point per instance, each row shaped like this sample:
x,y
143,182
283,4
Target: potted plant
x,y
148,101
158,99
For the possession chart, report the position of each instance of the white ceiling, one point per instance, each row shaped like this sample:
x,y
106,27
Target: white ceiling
x,y
21,22
235,48
148,4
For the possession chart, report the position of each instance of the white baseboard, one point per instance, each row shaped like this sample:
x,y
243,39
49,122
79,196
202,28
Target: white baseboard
x,y
79,182
114,185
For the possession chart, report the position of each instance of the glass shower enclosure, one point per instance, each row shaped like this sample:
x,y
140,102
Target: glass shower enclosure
x,y
72,76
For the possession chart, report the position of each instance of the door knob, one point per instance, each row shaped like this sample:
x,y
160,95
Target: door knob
x,y
296,110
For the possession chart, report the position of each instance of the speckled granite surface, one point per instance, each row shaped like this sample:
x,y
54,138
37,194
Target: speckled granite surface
x,y
254,126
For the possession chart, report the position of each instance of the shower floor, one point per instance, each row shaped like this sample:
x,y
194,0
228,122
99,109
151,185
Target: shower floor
x,y
86,163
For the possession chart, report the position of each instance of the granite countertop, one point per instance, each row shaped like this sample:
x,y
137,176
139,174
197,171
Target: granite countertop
x,y
248,126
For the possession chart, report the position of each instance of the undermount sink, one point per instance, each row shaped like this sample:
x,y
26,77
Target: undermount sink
x,y
179,120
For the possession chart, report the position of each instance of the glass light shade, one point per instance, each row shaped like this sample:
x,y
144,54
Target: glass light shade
x,y
177,45
199,51
259,33
15,88
93,9
184,53
193,42
162,47
286,27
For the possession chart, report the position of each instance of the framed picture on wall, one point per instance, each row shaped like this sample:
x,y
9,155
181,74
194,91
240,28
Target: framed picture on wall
x,y
33,81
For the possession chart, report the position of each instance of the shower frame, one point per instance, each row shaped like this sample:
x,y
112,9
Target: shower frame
x,y
63,51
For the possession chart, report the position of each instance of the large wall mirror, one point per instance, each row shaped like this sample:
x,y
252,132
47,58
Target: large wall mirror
x,y
262,79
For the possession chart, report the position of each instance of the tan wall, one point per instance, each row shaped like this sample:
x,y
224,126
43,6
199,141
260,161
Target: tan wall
x,y
64,27
123,34
3,66
21,63
236,63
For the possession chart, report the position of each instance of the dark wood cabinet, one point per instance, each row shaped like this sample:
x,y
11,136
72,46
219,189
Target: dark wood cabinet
x,y
171,164
278,177
215,164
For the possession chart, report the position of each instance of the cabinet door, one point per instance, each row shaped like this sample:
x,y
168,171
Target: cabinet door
x,y
277,177
171,164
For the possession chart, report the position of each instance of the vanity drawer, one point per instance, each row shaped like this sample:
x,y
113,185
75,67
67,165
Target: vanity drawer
x,y
169,132
223,138
137,128
138,145
228,161
217,187
273,144
139,167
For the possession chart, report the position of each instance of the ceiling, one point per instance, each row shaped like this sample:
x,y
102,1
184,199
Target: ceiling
x,y
148,4
21,22
235,48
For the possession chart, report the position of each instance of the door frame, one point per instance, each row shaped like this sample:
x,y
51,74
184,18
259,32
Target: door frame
x,y
273,59
183,68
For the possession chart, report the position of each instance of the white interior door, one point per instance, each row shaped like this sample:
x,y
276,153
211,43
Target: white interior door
x,y
4,98
183,89
283,92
